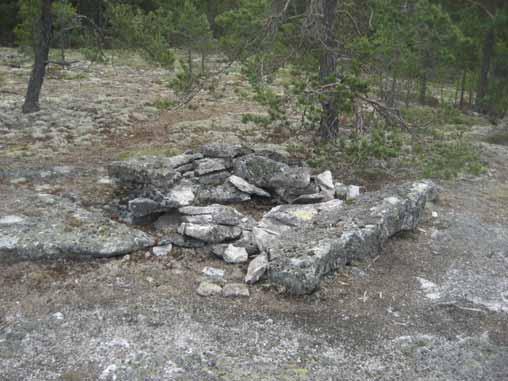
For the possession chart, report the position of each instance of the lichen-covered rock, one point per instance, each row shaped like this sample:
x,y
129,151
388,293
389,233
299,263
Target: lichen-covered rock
x,y
222,194
179,240
341,191
180,195
206,289
284,218
305,252
274,175
215,178
257,268
245,187
234,254
210,233
162,251
225,151
325,181
64,229
158,172
206,166
212,214
234,290
312,198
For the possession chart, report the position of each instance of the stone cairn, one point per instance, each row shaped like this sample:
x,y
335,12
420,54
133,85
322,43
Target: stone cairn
x,y
316,227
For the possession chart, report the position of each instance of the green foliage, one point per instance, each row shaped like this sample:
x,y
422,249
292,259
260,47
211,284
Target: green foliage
x,y
164,104
25,31
381,144
63,12
435,117
449,157
146,32
262,120
183,81
241,28
8,17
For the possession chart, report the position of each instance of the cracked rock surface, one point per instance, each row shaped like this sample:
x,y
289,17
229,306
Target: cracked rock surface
x,y
63,229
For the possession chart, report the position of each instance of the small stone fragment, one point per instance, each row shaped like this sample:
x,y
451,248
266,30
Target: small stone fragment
x,y
213,273
233,290
162,251
138,117
353,192
208,289
244,186
325,181
234,254
341,191
257,268
10,220
58,316
179,196
311,198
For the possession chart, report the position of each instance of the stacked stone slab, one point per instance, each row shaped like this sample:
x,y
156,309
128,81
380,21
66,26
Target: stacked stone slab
x,y
219,173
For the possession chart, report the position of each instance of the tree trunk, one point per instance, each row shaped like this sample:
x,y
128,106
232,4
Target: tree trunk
x,y
41,58
483,85
329,125
462,89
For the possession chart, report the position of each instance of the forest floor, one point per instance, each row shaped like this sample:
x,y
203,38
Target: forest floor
x,y
434,306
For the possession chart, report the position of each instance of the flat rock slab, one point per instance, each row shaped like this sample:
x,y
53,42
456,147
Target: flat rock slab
x,y
302,253
212,214
235,290
159,172
226,151
64,229
245,187
210,233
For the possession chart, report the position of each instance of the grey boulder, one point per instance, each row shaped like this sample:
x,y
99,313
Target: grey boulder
x,y
67,230
301,256
274,175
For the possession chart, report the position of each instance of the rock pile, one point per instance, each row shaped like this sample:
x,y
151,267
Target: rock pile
x,y
312,232
219,173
